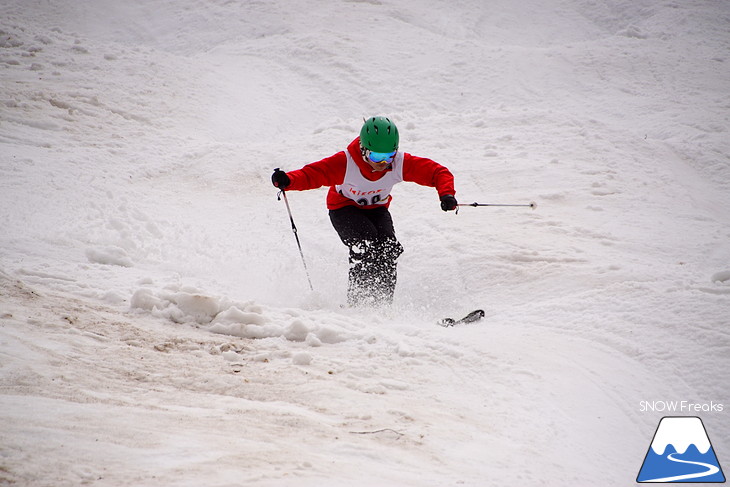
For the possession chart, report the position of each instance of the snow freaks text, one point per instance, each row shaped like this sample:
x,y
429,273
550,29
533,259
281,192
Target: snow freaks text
x,y
680,407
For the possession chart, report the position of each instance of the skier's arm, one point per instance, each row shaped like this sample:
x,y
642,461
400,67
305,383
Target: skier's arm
x,y
327,172
426,172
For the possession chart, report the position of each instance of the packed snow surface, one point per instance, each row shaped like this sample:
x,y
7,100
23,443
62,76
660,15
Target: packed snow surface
x,y
156,324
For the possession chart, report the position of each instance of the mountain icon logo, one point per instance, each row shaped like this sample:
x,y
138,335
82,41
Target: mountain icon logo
x,y
681,452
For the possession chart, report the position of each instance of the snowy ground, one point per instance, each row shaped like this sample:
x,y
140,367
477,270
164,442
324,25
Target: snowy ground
x,y
156,326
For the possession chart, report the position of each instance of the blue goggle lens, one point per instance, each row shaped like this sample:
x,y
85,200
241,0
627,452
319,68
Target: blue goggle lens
x,y
380,157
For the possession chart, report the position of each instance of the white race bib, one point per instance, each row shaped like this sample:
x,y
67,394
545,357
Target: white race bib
x,y
365,192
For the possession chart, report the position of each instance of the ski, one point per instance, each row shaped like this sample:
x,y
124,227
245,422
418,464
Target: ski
x,y
475,315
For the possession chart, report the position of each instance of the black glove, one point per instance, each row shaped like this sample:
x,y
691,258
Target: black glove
x,y
280,179
448,202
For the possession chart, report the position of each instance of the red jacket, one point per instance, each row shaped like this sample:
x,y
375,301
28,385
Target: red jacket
x,y
330,171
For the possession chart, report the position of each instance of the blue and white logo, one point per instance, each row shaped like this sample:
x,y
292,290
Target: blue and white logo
x,y
681,452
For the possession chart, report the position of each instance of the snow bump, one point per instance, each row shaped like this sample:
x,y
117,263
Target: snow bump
x,y
722,277
111,255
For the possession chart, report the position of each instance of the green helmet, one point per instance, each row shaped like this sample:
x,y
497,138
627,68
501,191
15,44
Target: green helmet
x,y
379,134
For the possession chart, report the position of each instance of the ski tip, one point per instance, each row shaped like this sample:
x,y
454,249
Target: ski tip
x,y
446,322
475,315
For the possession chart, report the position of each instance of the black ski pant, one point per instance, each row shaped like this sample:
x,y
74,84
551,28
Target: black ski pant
x,y
370,236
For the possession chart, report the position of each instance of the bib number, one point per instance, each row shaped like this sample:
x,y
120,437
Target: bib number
x,y
372,201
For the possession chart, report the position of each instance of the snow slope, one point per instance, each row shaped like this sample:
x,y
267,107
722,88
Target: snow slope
x,y
156,326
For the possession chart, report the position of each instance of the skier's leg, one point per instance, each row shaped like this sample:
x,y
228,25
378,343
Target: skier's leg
x,y
385,252
370,236
358,233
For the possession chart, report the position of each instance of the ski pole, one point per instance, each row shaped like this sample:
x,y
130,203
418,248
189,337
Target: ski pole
x,y
532,204
296,236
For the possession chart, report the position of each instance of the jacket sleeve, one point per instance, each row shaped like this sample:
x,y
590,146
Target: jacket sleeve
x,y
426,172
327,172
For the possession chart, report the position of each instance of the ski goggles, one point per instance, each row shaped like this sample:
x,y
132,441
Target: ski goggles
x,y
380,157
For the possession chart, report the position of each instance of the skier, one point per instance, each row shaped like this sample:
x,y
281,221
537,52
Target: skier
x,y
360,179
